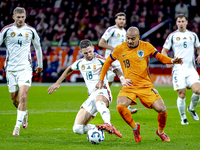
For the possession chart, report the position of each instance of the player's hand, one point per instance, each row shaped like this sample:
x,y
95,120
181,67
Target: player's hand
x,y
177,61
99,85
198,60
126,82
38,70
170,66
53,87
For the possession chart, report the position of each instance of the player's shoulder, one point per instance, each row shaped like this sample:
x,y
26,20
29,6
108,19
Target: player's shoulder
x,y
111,28
7,27
30,27
121,46
190,32
172,34
80,60
100,57
144,44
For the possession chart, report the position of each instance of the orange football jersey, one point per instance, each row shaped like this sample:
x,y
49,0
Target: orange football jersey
x,y
134,62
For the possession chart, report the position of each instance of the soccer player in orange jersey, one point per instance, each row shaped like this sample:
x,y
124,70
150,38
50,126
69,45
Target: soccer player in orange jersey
x,y
133,56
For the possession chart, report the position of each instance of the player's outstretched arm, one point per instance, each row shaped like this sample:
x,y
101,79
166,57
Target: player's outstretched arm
x,y
53,87
164,52
56,85
104,70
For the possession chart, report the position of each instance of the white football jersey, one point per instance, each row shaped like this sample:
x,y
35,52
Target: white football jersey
x,y
183,44
114,36
91,71
18,41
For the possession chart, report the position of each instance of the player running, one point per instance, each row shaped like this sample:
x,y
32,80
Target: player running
x,y
17,38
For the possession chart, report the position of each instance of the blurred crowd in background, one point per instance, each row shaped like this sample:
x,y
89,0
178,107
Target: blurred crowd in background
x,y
61,24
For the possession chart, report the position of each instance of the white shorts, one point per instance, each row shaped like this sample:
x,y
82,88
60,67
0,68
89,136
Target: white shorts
x,y
183,79
15,79
90,103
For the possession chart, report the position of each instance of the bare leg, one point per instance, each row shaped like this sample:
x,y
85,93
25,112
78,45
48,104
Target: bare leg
x,y
15,98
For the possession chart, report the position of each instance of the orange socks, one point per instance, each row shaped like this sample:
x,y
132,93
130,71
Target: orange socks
x,y
126,115
162,118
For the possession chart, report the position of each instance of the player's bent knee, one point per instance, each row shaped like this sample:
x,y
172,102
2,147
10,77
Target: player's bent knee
x,y
196,91
161,109
78,128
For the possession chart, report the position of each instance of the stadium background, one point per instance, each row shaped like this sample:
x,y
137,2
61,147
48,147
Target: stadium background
x,y
61,24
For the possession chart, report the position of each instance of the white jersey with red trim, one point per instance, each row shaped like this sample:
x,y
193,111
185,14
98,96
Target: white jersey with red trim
x,y
183,44
18,41
114,36
91,71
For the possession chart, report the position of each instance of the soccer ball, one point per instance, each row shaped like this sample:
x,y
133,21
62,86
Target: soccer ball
x,y
95,136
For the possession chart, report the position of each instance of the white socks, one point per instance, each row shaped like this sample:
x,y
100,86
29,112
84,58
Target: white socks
x,y
129,106
20,117
104,111
88,127
181,107
194,101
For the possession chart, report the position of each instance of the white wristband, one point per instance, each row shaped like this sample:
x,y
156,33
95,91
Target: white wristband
x,y
122,77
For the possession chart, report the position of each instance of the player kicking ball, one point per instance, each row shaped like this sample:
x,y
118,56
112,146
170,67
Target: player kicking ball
x,y
99,99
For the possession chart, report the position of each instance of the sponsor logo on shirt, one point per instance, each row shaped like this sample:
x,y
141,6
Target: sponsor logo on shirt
x,y
88,67
178,38
12,34
184,38
83,67
20,34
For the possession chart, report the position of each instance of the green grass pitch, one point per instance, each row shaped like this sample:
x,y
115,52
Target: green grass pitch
x,y
51,118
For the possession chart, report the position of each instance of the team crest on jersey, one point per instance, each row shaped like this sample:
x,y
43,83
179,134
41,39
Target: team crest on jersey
x,y
178,38
190,37
26,35
140,53
12,34
94,67
118,35
177,85
83,67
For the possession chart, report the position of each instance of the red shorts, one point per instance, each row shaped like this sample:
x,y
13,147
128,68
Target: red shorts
x,y
147,95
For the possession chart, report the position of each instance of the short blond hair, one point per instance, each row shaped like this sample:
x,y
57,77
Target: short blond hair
x,y
19,10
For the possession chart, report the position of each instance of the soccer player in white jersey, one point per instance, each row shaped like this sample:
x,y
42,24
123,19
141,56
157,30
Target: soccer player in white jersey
x,y
17,38
183,42
99,100
112,37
